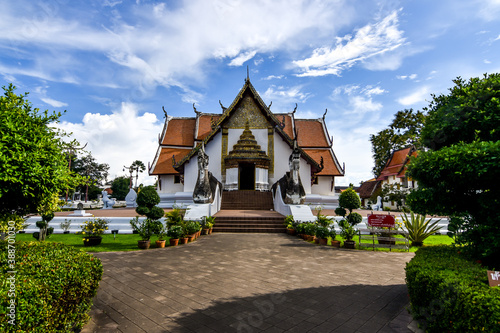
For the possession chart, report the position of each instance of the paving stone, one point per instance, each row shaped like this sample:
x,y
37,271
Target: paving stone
x,y
251,283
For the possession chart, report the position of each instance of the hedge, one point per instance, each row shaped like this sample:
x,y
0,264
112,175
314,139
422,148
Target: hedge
x,y
450,293
54,286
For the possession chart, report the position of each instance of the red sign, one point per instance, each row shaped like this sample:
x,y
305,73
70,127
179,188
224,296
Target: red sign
x,y
381,220
494,278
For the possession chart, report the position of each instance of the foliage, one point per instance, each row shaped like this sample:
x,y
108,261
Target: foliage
x,y
65,225
322,231
147,199
145,228
309,228
27,135
332,233
391,192
138,167
402,132
354,218
120,187
462,132
175,232
468,113
299,228
94,173
94,227
159,229
347,231
340,211
289,222
418,228
349,200
207,222
174,217
192,227
323,220
451,293
16,221
55,285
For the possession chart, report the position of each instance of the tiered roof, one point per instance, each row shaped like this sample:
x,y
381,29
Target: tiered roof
x,y
397,163
182,137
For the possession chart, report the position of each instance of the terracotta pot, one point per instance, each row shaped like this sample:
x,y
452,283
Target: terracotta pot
x,y
160,243
316,240
349,244
144,244
205,231
191,237
210,231
335,243
183,240
323,241
92,241
291,232
174,241
310,238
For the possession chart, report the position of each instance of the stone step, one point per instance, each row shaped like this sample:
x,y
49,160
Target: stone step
x,y
249,229
251,200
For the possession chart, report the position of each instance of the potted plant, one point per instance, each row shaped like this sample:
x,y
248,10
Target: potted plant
x,y
290,225
174,217
145,229
322,234
92,231
192,227
65,225
160,231
175,232
299,229
333,234
347,232
310,231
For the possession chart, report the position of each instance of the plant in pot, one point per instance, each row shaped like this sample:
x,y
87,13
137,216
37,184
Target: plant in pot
x,y
160,230
310,231
299,228
145,229
92,231
333,234
207,223
174,217
347,232
192,227
322,234
290,225
65,226
175,232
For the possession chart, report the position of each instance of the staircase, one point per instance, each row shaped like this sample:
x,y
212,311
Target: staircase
x,y
248,211
247,200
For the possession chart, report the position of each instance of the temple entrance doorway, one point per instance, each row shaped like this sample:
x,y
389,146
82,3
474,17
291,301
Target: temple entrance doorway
x,y
246,176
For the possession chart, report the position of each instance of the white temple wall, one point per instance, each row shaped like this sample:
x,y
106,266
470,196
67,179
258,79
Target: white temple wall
x,y
168,185
282,152
324,186
191,174
305,175
214,151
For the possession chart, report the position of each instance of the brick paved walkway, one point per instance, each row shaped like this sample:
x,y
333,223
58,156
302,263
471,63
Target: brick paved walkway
x,y
251,283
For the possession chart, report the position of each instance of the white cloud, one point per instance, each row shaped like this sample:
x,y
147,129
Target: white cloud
x,y
53,102
488,9
371,40
284,97
119,138
407,77
273,77
418,96
242,58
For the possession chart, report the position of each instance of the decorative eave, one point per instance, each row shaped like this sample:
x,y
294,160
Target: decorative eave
x,y
315,167
401,166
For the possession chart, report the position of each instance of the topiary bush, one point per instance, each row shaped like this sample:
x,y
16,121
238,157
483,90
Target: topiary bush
x,y
147,199
450,293
54,286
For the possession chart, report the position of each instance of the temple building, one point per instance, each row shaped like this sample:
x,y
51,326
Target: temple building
x,y
246,147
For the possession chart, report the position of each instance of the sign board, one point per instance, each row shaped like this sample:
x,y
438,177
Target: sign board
x,y
494,278
381,220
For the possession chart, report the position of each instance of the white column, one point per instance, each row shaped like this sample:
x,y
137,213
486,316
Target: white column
x,y
231,179
261,179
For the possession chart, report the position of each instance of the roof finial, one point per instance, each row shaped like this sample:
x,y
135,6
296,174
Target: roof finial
x,y
295,110
195,111
324,114
248,74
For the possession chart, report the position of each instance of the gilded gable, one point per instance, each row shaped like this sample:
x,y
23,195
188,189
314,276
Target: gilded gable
x,y
247,109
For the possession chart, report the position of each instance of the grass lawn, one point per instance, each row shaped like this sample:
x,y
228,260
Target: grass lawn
x,y
123,242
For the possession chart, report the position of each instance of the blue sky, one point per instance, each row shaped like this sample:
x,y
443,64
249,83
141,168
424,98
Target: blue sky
x,y
113,64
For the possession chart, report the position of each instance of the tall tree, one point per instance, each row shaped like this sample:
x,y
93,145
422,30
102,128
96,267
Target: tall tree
x,y
94,172
459,173
402,132
120,187
138,167
33,165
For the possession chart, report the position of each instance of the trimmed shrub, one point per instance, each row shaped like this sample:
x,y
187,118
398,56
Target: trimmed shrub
x,y
54,287
450,293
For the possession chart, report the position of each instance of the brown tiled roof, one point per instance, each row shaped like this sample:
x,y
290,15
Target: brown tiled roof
x,y
288,124
310,133
180,132
205,125
368,188
330,167
164,164
397,163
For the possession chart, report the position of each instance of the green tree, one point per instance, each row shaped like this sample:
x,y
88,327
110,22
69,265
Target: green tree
x,y
402,132
33,166
95,173
120,187
138,167
458,175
